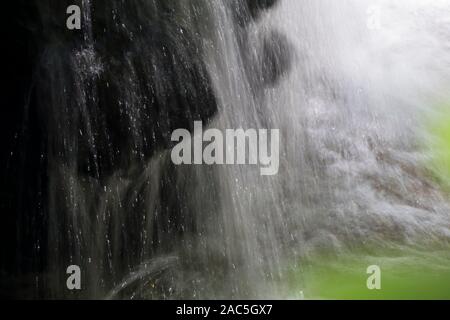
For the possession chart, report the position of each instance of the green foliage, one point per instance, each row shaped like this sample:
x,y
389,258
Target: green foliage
x,y
344,277
438,142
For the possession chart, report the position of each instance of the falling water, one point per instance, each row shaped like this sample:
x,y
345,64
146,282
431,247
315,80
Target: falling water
x,y
362,75
350,112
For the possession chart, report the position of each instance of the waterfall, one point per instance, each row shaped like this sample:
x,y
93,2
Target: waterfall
x,y
352,110
118,207
347,83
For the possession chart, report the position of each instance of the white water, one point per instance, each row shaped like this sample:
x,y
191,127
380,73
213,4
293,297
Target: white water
x,y
365,75
351,168
359,94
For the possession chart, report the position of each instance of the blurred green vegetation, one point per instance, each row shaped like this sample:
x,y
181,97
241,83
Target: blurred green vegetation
x,y
416,276
438,131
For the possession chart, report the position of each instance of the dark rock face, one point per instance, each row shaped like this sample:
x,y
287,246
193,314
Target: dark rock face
x,y
100,101
256,7
276,57
118,94
247,11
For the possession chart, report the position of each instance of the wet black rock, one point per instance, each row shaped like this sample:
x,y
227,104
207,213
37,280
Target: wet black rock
x,y
257,6
98,101
274,56
116,95
277,56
